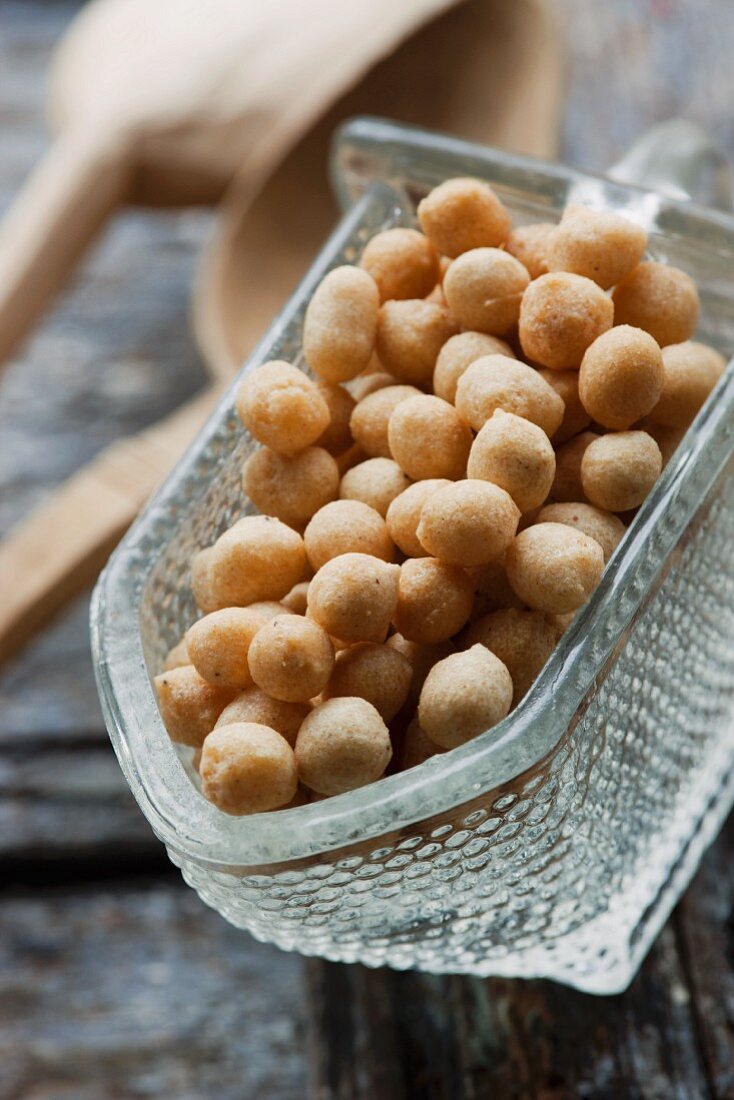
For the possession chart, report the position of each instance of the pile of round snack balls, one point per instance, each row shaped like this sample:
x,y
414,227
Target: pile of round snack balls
x,y
485,416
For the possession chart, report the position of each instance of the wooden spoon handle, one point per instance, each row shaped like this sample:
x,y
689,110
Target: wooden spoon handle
x,y
67,198
59,549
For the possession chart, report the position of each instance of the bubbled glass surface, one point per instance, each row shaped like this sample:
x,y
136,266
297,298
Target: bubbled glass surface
x,y
555,844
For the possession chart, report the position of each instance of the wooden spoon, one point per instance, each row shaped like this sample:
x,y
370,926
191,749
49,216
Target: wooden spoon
x,y
492,75
486,71
160,103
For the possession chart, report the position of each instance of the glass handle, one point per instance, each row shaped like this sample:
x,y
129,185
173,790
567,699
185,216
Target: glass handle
x,y
680,159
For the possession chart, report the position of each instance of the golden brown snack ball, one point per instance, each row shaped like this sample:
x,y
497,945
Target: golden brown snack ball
x,y
258,558
605,528
404,513
291,487
422,658
461,214
370,418
560,316
460,352
493,590
416,747
344,527
434,600
376,482
554,568
468,522
177,656
429,439
219,643
621,377
659,298
484,288
598,244
463,696
340,324
529,245
667,439
291,658
378,673
297,599
336,437
343,744
189,704
403,263
201,580
370,382
567,486
523,641
498,382
690,372
247,768
575,416
619,470
410,334
353,597
281,407
516,455
255,705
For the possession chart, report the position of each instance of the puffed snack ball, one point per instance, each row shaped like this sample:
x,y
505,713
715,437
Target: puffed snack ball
x,y
498,382
344,527
429,439
619,470
575,417
291,487
255,705
604,527
353,597
690,372
376,482
291,658
343,744
369,421
560,316
659,298
258,558
598,244
458,353
336,437
567,485
621,377
434,600
463,696
404,514
469,522
554,568
529,245
403,263
421,658
516,455
484,288
281,407
378,673
410,334
177,656
189,704
340,325
523,640
219,643
461,214
247,768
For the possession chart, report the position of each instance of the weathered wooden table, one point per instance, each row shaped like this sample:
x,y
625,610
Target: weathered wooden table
x,y
115,981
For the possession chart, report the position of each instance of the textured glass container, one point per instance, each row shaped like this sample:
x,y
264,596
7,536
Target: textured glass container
x,y
556,844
